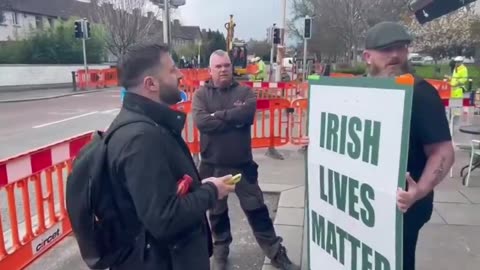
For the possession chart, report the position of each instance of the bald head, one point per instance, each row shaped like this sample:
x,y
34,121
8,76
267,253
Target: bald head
x,y
221,69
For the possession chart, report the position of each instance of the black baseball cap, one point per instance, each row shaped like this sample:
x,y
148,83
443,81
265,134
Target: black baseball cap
x,y
386,34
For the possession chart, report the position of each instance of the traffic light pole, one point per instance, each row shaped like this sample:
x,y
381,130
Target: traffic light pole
x,y
272,49
85,54
304,71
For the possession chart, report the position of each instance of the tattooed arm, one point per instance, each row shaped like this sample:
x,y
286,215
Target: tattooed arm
x,y
440,158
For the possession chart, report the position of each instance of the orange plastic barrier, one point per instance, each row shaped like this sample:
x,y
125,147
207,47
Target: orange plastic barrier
x,y
443,88
270,127
97,78
192,74
35,179
190,133
90,79
298,121
110,76
341,75
280,90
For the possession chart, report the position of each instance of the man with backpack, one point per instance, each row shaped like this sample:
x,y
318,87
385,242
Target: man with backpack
x,y
144,205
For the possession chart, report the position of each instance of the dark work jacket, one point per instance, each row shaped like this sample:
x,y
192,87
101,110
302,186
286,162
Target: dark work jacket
x,y
147,160
224,117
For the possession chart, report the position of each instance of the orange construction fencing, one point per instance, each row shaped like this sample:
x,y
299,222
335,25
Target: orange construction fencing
x,y
33,187
190,133
341,75
96,78
298,121
270,128
443,87
88,80
280,90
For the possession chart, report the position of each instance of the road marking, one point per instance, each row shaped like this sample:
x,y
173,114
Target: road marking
x,y
81,95
110,111
66,119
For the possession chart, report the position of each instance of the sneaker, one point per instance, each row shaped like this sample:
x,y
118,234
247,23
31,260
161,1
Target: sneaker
x,y
281,261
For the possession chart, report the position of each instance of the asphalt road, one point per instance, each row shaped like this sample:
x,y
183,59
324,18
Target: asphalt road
x,y
28,125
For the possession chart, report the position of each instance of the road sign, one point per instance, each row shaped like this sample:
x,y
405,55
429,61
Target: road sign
x,y
183,96
357,157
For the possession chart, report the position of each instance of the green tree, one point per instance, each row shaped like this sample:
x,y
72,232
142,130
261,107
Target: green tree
x,y
211,41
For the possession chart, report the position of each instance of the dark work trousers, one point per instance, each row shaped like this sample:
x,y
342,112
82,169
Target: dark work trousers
x,y
413,221
251,200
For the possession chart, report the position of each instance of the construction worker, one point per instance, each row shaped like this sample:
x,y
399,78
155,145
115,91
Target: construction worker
x,y
313,76
459,78
261,74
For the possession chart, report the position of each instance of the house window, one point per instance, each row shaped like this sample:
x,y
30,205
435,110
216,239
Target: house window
x,y
51,22
38,22
2,17
14,18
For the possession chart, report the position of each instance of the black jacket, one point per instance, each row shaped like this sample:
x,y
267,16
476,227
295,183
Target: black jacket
x,y
224,118
147,160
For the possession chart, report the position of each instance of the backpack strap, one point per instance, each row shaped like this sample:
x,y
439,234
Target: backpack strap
x,y
108,134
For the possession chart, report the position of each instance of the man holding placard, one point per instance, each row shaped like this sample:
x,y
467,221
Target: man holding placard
x,y
431,152
360,146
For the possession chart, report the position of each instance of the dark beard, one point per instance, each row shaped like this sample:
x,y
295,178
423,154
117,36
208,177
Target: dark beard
x,y
170,95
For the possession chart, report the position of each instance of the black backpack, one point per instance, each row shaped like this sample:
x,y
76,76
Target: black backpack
x,y
91,207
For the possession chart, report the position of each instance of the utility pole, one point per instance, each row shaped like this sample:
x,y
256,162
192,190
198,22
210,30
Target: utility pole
x,y
282,50
166,22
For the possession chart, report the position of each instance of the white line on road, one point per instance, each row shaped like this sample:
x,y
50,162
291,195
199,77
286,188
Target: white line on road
x,y
66,119
110,111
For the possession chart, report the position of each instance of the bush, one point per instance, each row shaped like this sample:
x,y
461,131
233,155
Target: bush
x,y
356,70
55,45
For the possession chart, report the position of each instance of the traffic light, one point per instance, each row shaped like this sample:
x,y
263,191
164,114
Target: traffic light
x,y
276,36
87,29
78,29
429,10
307,32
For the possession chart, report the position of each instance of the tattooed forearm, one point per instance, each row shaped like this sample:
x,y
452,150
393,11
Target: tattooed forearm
x,y
440,172
440,160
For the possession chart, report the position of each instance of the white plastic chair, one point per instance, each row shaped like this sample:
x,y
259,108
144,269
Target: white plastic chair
x,y
475,151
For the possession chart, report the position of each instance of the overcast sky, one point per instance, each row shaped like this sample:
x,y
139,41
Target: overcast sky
x,y
252,17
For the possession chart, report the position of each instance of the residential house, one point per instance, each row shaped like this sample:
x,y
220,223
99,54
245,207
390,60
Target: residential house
x,y
20,17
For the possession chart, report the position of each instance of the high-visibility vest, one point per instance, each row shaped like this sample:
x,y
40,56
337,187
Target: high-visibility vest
x,y
262,75
459,81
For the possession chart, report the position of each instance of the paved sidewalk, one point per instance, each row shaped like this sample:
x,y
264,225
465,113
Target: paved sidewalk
x,y
284,177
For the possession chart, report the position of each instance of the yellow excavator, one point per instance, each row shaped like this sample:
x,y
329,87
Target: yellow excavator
x,y
236,49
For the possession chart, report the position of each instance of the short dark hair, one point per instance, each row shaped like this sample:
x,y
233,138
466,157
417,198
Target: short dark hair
x,y
139,59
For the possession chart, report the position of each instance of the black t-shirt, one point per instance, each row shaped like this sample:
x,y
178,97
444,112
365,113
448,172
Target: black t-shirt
x,y
428,125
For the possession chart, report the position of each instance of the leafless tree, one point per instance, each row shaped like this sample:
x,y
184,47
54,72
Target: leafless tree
x,y
125,22
339,26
